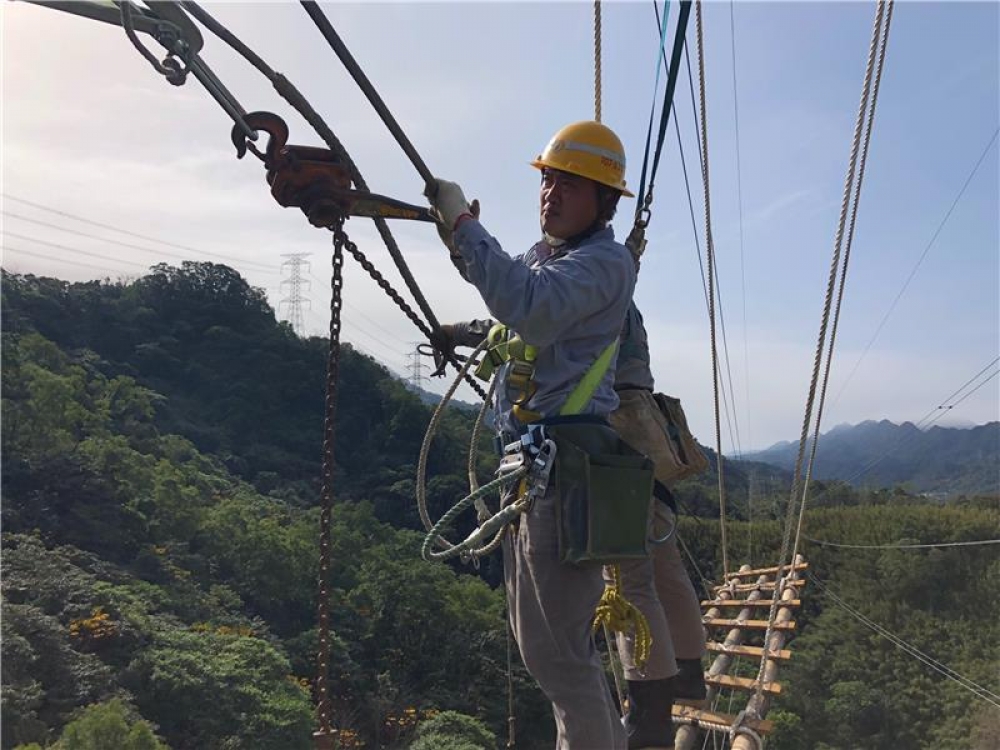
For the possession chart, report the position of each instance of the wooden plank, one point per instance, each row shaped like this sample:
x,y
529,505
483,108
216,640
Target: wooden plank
x,y
766,571
717,721
754,586
743,683
714,622
755,651
747,603
759,703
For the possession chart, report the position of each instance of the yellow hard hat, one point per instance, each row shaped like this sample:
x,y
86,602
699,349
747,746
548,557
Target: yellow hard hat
x,y
587,149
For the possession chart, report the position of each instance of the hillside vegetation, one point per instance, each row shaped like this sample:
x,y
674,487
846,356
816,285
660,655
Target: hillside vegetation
x,y
161,446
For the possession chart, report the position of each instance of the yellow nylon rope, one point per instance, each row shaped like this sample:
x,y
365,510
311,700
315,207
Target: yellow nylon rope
x,y
621,616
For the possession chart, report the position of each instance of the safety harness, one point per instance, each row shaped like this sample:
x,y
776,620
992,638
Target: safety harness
x,y
595,463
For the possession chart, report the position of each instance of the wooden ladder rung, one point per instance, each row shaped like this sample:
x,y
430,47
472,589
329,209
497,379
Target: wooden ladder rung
x,y
741,650
748,603
762,586
716,721
765,571
742,683
715,622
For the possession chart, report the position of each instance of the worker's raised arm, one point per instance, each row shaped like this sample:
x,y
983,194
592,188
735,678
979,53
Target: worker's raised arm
x,y
543,304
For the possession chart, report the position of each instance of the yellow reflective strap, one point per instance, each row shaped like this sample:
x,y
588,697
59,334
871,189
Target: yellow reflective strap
x,y
503,349
584,390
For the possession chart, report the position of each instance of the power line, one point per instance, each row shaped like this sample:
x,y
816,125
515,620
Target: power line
x,y
738,445
979,542
373,340
964,386
916,267
713,271
940,411
952,406
364,315
945,407
124,244
128,232
74,250
9,249
734,437
976,689
739,200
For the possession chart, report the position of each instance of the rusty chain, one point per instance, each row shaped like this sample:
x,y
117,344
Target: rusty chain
x,y
340,240
379,279
401,303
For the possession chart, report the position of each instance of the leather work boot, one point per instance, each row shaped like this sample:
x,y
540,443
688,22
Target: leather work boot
x,y
648,723
689,685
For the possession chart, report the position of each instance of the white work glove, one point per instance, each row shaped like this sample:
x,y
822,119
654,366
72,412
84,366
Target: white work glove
x,y
445,228
448,202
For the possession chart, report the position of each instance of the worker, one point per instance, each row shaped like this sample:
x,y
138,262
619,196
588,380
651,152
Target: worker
x,y
567,298
659,586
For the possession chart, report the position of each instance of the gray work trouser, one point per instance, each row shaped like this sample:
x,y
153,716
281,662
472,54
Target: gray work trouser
x,y
661,589
659,586
551,611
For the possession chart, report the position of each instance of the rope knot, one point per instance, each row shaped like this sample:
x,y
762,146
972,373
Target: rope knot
x,y
620,615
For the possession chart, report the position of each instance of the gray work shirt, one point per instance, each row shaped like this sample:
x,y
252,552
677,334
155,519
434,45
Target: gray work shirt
x,y
633,370
569,304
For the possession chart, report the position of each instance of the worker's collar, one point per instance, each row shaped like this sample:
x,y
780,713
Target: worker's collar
x,y
571,242
548,247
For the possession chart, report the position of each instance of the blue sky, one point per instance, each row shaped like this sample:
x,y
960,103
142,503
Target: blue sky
x,y
90,129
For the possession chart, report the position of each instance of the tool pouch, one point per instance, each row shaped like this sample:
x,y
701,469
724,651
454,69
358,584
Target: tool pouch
x,y
690,460
603,491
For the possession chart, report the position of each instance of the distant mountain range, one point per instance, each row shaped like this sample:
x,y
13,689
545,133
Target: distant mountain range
x,y
941,460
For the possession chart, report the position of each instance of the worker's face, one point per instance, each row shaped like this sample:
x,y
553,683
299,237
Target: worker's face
x,y
569,203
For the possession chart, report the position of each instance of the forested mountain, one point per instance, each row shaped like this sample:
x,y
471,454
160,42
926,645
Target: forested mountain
x,y
161,446
941,460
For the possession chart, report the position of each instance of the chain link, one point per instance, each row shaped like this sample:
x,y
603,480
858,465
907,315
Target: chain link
x,y
386,287
340,239
401,303
341,242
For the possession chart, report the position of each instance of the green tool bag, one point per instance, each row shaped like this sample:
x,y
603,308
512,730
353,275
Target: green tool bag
x,y
604,492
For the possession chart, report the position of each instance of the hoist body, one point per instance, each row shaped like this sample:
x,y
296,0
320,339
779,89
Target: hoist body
x,y
316,180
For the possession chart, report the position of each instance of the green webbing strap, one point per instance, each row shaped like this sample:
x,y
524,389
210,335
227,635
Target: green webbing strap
x,y
584,390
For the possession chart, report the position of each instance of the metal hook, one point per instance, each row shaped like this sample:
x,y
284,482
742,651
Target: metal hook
x,y
271,124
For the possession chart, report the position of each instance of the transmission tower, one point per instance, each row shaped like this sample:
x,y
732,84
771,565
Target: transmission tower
x,y
296,284
416,368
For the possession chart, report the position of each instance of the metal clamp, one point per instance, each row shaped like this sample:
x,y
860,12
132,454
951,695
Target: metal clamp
x,y
511,461
539,473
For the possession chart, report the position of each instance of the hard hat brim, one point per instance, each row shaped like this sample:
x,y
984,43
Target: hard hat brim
x,y
541,163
